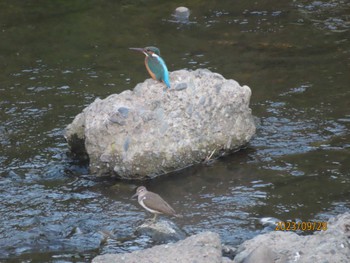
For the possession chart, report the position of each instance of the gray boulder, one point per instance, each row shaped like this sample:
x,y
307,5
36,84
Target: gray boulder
x,y
204,248
151,131
331,245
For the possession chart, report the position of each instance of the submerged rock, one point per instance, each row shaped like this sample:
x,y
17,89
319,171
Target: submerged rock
x,y
151,131
204,248
182,14
161,231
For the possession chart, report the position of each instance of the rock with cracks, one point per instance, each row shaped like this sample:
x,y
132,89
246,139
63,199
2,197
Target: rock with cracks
x,y
152,131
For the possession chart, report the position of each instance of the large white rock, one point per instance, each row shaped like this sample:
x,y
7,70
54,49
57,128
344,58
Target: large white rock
x,y
151,131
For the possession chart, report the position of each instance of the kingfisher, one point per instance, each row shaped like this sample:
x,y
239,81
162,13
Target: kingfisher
x,y
155,65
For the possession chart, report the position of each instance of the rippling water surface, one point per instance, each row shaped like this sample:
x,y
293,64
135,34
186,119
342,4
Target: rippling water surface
x,y
58,56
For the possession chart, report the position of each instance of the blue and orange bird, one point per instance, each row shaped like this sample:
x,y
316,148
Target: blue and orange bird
x,y
155,65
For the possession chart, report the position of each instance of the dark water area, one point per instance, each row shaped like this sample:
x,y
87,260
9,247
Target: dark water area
x,y
56,57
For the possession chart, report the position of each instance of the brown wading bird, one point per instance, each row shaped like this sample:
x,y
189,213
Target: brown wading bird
x,y
153,203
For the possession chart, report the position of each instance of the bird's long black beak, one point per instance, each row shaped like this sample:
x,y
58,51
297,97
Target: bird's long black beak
x,y
134,196
137,49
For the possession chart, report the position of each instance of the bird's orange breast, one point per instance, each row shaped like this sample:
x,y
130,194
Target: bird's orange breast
x,y
149,70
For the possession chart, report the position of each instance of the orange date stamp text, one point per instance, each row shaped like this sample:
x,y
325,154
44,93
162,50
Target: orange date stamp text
x,y
303,226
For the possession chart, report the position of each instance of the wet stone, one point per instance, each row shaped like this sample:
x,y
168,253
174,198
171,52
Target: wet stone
x,y
182,13
161,231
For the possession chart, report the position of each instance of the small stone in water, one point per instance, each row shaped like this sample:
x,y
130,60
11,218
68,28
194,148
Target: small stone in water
x,y
182,13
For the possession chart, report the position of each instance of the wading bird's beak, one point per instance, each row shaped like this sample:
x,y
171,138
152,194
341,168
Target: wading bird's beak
x,y
134,196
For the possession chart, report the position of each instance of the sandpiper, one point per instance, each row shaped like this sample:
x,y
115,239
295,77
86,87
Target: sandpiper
x,y
153,203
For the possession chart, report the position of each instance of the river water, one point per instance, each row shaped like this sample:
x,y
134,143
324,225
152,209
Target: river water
x,y
57,57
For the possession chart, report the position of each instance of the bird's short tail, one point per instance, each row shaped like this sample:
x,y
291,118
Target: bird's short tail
x,y
167,83
166,80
